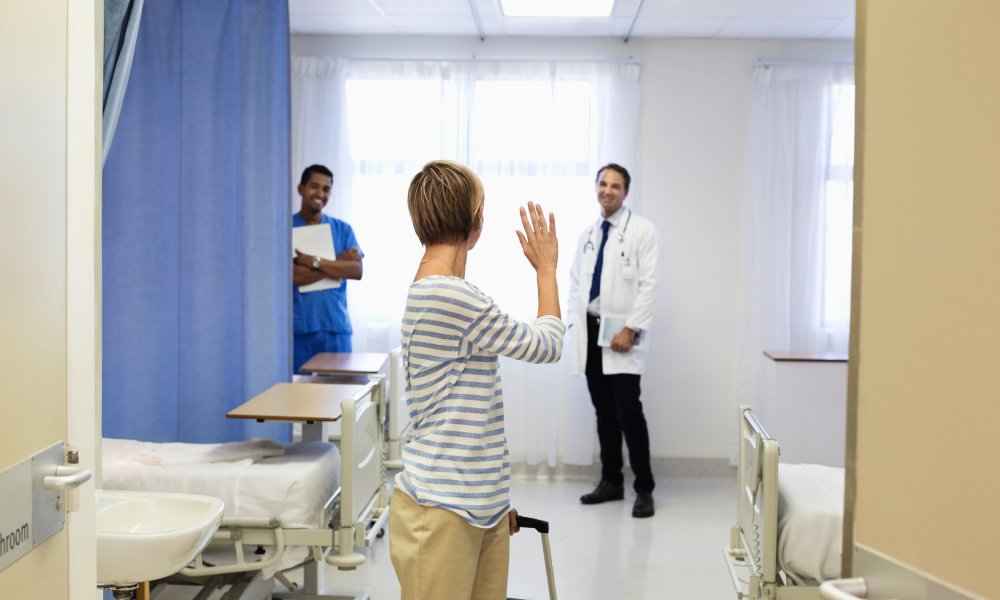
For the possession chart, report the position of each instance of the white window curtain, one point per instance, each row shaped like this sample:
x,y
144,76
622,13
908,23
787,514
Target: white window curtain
x,y
121,28
796,249
533,131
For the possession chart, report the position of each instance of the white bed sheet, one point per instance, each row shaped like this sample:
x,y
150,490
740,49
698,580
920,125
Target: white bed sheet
x,y
293,486
810,520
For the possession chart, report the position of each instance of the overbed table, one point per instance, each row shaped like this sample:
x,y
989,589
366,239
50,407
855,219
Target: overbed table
x,y
315,405
349,365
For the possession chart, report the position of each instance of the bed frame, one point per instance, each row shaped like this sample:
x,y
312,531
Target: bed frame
x,y
753,541
356,514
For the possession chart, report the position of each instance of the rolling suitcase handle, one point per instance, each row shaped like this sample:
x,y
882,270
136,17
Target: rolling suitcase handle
x,y
528,522
543,528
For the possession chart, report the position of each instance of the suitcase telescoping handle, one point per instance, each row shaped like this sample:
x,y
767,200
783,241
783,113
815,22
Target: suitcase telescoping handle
x,y
543,529
528,522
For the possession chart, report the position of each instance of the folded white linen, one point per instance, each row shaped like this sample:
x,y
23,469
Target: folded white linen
x,y
182,453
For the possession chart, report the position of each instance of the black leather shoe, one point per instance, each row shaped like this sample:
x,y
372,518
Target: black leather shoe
x,y
604,492
643,506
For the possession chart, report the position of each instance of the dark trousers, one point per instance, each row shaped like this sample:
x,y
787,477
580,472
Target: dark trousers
x,y
619,413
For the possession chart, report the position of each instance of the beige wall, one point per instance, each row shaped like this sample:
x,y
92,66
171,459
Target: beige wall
x,y
33,106
928,338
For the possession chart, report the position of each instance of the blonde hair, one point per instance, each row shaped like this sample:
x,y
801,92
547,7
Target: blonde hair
x,y
443,200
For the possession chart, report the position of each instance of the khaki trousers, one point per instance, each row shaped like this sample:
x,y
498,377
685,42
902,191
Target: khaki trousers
x,y
438,555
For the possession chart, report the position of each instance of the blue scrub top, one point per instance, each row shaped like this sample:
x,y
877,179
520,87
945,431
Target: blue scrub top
x,y
325,310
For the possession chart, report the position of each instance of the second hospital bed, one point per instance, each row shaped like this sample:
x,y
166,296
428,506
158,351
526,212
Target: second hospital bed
x,y
788,535
285,505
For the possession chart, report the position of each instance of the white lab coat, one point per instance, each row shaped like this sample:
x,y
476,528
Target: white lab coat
x,y
628,287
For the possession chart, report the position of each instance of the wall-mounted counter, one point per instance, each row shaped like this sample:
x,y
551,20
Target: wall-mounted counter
x,y
809,395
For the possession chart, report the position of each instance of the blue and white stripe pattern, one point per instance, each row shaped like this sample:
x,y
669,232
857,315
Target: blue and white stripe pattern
x,y
452,335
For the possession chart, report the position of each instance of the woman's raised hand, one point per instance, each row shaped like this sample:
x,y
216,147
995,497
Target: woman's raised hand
x,y
538,240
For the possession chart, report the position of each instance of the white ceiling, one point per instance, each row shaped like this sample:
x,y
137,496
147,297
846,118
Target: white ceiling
x,y
800,19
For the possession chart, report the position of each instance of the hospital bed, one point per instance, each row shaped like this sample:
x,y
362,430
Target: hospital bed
x,y
303,504
787,539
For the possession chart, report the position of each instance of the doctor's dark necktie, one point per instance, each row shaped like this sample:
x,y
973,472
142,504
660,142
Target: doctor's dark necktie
x,y
595,284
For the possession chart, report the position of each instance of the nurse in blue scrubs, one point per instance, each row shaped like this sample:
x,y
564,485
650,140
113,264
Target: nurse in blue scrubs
x,y
320,320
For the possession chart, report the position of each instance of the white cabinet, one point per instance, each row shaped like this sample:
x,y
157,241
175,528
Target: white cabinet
x,y
807,416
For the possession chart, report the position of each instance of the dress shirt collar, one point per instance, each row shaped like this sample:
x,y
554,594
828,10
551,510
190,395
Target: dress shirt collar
x,y
614,219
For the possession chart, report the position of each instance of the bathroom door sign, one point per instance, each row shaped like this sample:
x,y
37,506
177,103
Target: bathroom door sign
x,y
16,536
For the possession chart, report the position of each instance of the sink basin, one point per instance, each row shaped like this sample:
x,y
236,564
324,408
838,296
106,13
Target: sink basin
x,y
142,536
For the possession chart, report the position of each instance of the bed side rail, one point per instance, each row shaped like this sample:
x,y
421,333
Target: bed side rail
x,y
398,419
753,540
364,499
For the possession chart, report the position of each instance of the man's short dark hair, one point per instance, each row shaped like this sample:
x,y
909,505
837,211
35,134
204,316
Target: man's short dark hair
x,y
315,169
619,169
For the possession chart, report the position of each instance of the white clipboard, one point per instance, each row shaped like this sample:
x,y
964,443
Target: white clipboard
x,y
316,240
610,326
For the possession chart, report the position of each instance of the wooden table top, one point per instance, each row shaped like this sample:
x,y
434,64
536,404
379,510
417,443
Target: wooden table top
x,y
346,363
297,402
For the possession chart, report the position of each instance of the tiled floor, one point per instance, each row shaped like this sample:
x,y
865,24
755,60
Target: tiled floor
x,y
601,552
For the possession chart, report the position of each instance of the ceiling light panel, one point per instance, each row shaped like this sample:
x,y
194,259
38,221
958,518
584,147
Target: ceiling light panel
x,y
557,8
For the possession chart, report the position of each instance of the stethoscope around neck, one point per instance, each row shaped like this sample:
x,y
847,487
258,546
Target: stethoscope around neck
x,y
621,232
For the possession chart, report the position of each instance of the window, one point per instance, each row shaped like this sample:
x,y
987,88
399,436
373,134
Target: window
x,y
528,139
838,211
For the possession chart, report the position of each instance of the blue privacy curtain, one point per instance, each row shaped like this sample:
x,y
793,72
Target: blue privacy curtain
x,y
196,224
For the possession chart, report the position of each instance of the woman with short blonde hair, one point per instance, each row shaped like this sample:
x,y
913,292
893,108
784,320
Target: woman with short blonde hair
x,y
443,200
450,517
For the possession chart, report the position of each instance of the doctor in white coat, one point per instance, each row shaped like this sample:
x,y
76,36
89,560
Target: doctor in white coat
x,y
613,283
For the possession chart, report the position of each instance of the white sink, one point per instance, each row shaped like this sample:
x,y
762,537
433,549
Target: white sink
x,y
142,536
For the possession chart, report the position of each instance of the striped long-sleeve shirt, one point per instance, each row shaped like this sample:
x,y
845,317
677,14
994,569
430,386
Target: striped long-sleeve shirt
x,y
452,335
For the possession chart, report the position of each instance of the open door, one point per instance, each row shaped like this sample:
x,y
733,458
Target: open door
x,y
50,165
923,452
